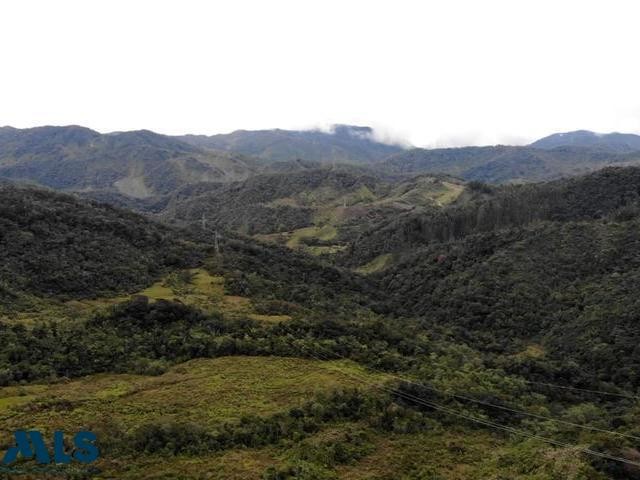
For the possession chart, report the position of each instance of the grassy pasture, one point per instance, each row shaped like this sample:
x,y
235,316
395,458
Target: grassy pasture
x,y
194,287
205,391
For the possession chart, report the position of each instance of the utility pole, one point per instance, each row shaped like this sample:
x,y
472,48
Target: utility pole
x,y
204,222
216,244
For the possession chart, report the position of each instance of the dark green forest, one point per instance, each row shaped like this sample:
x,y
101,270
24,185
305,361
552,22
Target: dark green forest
x,y
610,193
52,244
486,301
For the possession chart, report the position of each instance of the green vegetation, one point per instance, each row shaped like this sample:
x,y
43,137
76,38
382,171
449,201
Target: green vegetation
x,y
241,359
611,193
318,210
54,245
377,264
126,168
145,412
507,164
346,143
197,391
322,234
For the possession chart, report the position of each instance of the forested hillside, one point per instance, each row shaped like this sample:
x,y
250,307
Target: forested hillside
x,y
613,192
318,210
507,164
614,142
57,245
135,164
52,244
562,285
344,143
133,330
550,265
271,203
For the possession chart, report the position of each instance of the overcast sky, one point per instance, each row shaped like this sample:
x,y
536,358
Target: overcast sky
x,y
432,72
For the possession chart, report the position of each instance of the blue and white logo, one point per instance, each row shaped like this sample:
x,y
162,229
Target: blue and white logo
x,y
31,445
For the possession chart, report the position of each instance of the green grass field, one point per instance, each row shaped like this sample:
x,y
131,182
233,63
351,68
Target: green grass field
x,y
206,392
377,264
324,233
198,288
209,392
333,209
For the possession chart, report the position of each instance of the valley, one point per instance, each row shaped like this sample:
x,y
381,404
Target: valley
x,y
320,320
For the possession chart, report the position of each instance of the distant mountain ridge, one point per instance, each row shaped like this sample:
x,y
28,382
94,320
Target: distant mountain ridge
x,y
614,142
143,165
344,144
506,164
137,164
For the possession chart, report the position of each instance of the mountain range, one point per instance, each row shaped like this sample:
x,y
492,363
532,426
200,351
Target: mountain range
x,y
341,144
137,164
142,166
241,315
614,142
506,164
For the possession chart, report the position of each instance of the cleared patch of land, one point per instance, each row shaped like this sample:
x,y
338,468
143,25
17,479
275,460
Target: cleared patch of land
x,y
205,391
194,287
324,233
377,264
334,209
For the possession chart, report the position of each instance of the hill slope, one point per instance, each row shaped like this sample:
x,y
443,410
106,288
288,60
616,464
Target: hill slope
x,y
564,286
550,265
613,191
318,210
346,143
136,164
548,301
505,164
52,244
614,142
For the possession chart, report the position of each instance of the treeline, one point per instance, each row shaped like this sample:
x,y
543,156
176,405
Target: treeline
x,y
146,338
611,192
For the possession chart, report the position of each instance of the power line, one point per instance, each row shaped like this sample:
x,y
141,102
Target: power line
x,y
216,236
481,421
509,409
500,407
599,392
